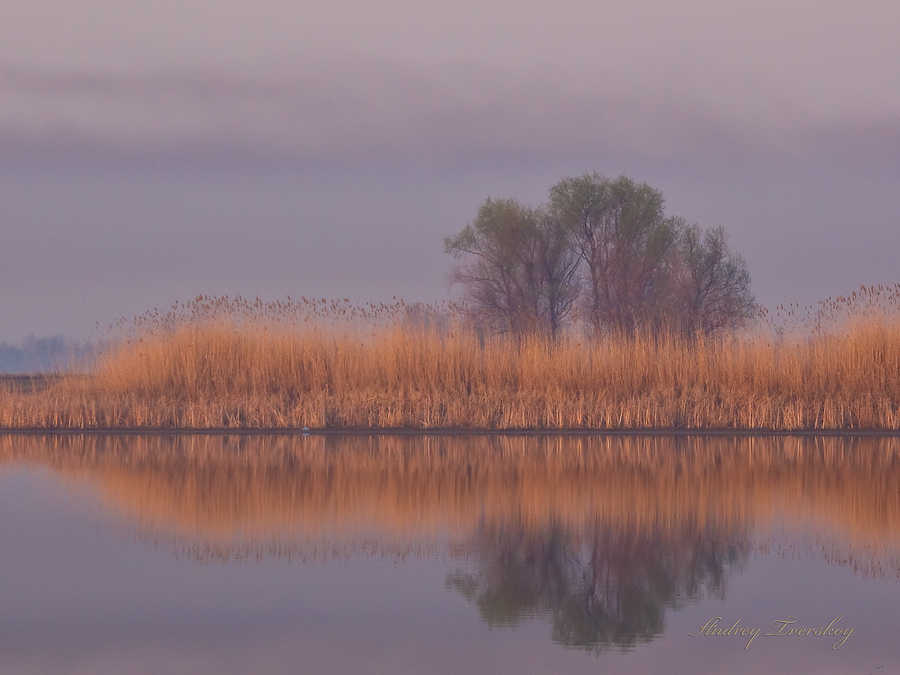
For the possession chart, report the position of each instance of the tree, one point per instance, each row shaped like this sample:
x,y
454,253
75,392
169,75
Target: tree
x,y
609,242
521,268
713,283
621,233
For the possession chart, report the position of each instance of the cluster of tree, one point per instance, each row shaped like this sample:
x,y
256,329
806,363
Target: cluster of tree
x,y
606,248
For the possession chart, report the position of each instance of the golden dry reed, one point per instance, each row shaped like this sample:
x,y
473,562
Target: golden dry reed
x,y
231,363
244,496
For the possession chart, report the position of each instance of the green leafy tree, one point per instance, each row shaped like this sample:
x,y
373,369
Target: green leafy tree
x,y
620,232
610,243
520,269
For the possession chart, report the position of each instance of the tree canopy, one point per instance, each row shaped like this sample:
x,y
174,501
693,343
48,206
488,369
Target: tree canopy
x,y
520,270
606,247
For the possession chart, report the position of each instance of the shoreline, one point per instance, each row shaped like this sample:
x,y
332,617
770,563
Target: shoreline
x,y
439,431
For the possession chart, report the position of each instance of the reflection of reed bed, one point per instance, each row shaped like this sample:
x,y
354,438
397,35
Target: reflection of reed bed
x,y
233,366
244,490
220,483
866,557
296,547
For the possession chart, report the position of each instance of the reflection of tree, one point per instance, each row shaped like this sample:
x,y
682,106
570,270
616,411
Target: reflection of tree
x,y
601,586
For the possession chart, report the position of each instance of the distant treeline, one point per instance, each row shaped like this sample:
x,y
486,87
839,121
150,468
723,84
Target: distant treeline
x,y
44,355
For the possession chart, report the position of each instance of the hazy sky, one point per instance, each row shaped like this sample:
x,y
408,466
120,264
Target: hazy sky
x,y
153,151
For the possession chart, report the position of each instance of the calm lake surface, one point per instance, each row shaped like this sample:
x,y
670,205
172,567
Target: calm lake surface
x,y
442,554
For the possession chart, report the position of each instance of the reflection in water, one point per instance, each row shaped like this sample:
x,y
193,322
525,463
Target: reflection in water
x,y
598,534
599,586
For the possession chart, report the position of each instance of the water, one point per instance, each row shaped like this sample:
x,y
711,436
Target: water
x,y
276,554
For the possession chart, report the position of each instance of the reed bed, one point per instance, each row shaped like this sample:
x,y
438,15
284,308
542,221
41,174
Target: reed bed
x,y
231,363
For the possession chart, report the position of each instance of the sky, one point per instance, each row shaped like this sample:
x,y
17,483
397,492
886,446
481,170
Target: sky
x,y
154,151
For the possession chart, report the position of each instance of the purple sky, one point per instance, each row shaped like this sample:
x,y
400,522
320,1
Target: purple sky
x,y
150,152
